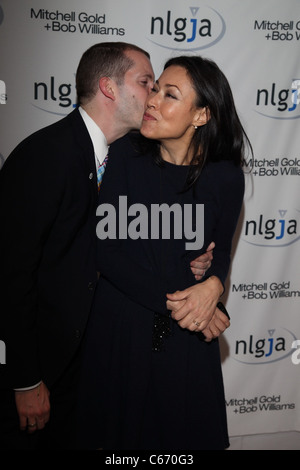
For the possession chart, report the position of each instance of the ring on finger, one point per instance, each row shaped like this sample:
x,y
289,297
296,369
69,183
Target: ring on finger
x,y
196,323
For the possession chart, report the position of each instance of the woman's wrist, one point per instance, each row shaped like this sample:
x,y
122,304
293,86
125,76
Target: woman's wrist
x,y
215,281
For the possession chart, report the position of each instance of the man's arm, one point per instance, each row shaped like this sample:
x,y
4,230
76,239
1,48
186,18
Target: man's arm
x,y
27,211
28,208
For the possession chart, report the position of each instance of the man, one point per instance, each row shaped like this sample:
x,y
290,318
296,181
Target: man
x,y
48,199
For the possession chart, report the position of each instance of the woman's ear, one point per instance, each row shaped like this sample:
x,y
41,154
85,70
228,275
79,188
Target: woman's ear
x,y
106,86
202,117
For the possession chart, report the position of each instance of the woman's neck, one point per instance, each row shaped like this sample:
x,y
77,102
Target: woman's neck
x,y
176,154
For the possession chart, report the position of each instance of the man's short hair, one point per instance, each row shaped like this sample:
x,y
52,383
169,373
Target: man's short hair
x,y
106,59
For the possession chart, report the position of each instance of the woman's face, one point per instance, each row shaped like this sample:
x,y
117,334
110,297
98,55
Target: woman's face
x,y
171,112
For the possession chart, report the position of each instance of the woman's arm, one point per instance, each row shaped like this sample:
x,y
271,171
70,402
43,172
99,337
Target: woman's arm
x,y
198,303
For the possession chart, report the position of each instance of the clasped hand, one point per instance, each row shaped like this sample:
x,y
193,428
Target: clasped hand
x,y
195,308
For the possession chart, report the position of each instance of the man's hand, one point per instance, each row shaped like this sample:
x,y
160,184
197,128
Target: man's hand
x,y
33,407
200,265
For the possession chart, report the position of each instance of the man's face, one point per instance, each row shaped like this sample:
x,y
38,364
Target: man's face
x,y
138,83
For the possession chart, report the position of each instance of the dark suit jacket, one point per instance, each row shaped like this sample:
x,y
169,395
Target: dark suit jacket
x,y
48,197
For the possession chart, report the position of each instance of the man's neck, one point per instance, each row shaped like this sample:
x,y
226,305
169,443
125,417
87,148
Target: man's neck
x,y
106,120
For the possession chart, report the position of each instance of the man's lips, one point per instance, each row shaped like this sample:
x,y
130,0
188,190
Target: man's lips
x,y
148,117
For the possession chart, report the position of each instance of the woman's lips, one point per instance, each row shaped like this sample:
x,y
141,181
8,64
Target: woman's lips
x,y
148,117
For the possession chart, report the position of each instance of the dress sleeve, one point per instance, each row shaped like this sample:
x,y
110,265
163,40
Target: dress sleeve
x,y
137,282
231,198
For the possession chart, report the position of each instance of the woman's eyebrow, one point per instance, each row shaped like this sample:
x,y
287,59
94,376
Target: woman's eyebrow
x,y
167,85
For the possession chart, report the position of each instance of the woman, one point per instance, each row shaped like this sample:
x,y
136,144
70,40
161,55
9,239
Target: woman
x,y
150,379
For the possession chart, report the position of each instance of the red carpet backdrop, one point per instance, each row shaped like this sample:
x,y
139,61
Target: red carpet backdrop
x,y
256,43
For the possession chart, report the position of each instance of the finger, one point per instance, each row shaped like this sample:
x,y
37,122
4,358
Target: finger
x,y
174,306
203,260
183,312
191,324
208,335
221,326
216,327
211,246
178,295
212,332
200,262
40,423
31,426
199,272
196,326
221,318
23,423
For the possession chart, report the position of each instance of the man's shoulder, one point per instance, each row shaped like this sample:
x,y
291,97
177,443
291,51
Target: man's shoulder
x,y
48,142
54,134
60,126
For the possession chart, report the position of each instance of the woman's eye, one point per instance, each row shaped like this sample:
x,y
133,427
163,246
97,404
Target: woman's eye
x,y
169,95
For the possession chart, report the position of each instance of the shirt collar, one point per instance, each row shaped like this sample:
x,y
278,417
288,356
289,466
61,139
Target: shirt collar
x,y
96,135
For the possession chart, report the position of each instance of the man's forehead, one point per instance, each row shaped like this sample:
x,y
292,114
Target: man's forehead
x,y
142,64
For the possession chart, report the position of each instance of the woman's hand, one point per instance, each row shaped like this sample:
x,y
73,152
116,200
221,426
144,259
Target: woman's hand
x,y
218,324
194,307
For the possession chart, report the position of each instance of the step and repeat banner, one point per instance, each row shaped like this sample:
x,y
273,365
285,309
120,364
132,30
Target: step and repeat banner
x,y
256,44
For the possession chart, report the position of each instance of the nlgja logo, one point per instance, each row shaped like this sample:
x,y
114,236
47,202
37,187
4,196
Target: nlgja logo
x,y
279,103
199,29
3,96
276,231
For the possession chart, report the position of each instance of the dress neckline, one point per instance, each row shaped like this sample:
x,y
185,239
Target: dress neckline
x,y
173,165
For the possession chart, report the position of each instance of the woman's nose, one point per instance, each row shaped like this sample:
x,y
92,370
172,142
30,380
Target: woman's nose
x,y
152,101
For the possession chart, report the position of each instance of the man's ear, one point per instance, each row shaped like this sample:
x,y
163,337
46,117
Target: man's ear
x,y
106,86
202,117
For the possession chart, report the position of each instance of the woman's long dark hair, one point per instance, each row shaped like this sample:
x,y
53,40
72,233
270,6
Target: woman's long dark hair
x,y
223,137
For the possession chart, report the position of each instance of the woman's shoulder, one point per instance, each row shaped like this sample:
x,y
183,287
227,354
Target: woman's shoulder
x,y
224,170
224,178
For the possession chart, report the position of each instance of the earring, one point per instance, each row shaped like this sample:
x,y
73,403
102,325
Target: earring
x,y
196,127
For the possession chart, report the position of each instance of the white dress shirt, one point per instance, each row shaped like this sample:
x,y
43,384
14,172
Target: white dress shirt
x,y
97,137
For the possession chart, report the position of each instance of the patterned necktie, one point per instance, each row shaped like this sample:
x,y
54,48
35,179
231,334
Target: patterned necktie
x,y
100,171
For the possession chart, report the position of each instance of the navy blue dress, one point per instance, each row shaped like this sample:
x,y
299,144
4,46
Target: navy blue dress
x,y
146,382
